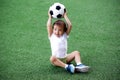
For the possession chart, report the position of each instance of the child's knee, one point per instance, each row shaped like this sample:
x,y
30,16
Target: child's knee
x,y
77,52
52,59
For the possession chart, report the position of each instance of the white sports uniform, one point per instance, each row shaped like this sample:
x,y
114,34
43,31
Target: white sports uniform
x,y
59,45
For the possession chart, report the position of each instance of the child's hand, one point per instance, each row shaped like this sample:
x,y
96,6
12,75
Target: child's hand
x,y
65,14
49,14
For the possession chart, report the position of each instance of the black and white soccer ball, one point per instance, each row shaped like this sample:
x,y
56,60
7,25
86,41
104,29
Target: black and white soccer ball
x,y
57,10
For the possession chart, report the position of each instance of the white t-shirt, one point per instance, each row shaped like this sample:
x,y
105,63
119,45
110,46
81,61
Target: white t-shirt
x,y
59,45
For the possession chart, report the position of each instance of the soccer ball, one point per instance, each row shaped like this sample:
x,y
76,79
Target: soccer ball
x,y
57,10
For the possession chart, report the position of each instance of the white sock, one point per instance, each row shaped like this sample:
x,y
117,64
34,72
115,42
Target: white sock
x,y
79,63
66,66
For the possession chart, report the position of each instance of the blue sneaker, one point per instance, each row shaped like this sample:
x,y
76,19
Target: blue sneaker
x,y
82,68
71,68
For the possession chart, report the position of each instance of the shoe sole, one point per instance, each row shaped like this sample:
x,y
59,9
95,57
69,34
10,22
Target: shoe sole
x,y
84,69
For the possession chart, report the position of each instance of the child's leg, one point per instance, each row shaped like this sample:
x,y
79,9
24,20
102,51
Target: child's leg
x,y
74,56
55,61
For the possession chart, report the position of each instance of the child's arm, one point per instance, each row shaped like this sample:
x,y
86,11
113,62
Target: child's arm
x,y
49,25
68,24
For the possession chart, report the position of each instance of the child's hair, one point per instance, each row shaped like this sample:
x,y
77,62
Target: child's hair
x,y
60,23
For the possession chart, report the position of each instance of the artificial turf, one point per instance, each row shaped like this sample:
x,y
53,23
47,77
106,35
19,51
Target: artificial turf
x,y
25,48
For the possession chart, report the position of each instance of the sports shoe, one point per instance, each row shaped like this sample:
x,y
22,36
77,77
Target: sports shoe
x,y
71,68
82,68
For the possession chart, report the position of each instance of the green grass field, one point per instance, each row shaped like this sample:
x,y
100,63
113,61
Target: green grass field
x,y
25,48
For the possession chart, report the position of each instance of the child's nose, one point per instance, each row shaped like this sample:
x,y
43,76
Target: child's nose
x,y
57,32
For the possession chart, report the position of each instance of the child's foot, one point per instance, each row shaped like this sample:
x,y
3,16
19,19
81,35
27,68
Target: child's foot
x,y
82,68
70,68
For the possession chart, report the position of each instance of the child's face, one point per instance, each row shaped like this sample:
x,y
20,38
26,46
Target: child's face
x,y
58,30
